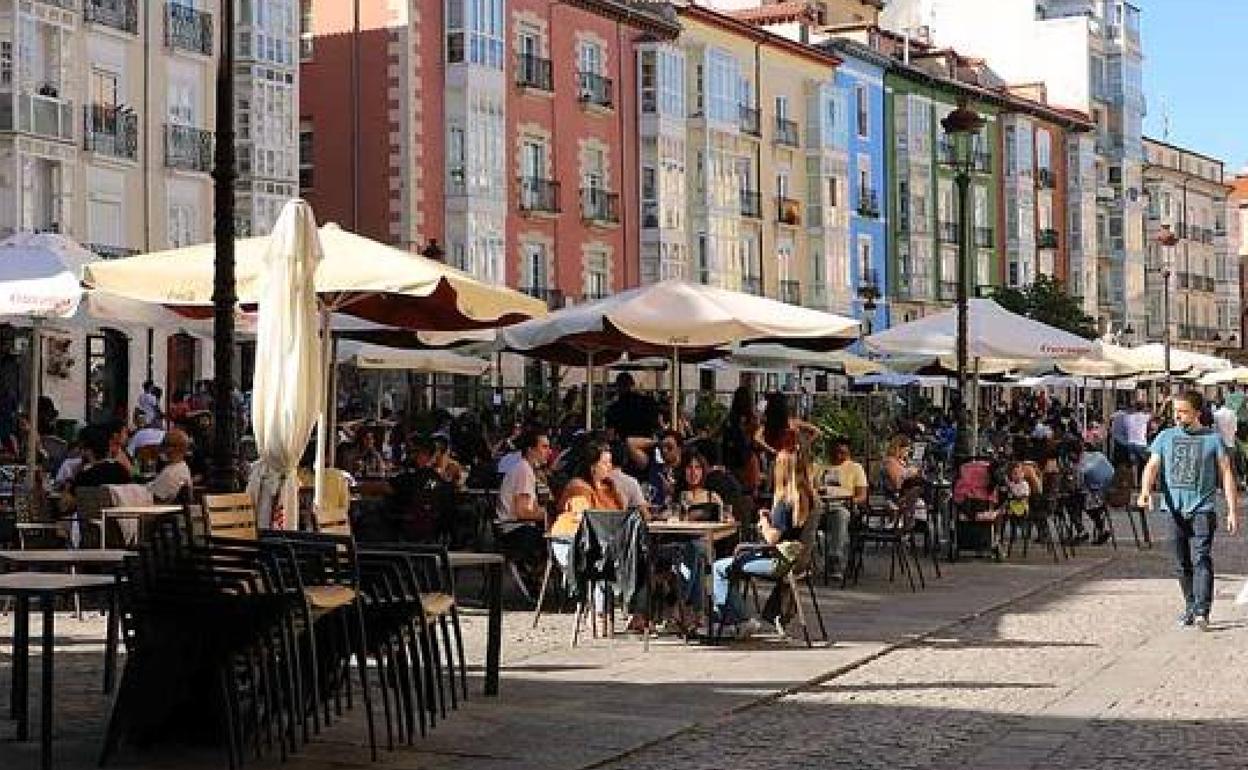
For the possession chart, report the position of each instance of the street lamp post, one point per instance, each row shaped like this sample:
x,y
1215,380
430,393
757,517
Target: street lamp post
x,y
224,475
1166,239
961,125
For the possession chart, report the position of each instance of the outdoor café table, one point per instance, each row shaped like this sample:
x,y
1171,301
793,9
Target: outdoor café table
x,y
492,563
46,587
131,512
710,533
110,559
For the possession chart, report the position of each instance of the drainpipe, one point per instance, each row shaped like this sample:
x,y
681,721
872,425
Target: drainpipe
x,y
355,116
758,160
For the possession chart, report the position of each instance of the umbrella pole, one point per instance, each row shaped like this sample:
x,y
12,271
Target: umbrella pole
x,y
32,417
975,410
675,388
589,391
322,421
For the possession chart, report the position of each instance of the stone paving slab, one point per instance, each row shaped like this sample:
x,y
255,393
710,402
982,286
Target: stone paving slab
x,y
564,708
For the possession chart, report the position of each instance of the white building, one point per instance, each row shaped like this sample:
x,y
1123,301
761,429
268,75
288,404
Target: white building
x,y
107,110
266,117
1088,55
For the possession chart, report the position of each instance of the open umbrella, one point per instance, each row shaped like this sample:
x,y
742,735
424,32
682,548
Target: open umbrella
x,y
992,332
676,318
366,356
36,284
357,276
287,391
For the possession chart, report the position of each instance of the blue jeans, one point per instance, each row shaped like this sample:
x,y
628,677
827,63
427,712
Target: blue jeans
x,y
729,603
836,523
1193,551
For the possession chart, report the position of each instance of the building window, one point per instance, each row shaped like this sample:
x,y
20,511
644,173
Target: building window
x,y
534,266
864,256
597,280
305,30
474,32
864,118
591,59
306,155
723,86
1044,150
182,225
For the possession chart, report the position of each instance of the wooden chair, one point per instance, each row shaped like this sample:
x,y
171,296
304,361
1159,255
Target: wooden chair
x,y
334,515
231,515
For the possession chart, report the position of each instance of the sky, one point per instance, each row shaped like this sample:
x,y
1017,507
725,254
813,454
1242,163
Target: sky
x,y
1193,64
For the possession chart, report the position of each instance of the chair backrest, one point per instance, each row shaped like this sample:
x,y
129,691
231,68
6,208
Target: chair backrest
x,y
89,501
810,531
231,515
55,448
333,517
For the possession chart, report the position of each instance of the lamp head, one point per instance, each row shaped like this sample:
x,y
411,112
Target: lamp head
x,y
1167,237
962,121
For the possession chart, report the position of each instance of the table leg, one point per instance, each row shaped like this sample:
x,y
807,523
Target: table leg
x,y
19,696
110,643
103,530
45,694
494,635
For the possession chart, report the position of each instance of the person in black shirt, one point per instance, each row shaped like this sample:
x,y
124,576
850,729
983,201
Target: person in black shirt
x,y
421,504
98,467
633,418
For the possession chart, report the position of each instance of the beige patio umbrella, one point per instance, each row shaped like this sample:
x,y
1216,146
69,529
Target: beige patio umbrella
x,y
288,386
687,321
357,276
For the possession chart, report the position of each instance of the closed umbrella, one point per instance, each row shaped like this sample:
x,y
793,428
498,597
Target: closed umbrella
x,y
35,283
288,383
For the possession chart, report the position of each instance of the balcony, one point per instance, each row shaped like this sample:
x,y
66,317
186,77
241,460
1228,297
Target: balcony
x,y
554,298
911,286
594,90
868,203
948,232
788,211
751,204
118,14
43,115
791,292
600,206
111,131
69,5
188,29
786,132
539,196
105,251
751,121
188,148
534,72
1046,179
752,284
984,237
1046,238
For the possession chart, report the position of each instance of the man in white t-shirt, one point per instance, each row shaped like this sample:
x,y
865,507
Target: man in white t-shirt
x,y
176,475
1136,424
1226,422
521,530
149,404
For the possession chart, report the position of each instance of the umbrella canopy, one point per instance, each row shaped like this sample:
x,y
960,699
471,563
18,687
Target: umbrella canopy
x,y
769,355
668,316
287,389
365,356
357,276
1151,358
1238,375
992,332
35,281
888,380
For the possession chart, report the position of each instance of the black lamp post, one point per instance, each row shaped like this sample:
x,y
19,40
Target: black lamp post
x,y
961,125
868,292
433,251
1166,239
224,476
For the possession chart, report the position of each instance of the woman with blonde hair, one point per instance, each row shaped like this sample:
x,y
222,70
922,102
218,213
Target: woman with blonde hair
x,y
793,501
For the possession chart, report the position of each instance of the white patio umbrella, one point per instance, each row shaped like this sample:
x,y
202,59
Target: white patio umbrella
x,y
1238,375
770,355
676,318
287,392
1153,357
363,355
36,284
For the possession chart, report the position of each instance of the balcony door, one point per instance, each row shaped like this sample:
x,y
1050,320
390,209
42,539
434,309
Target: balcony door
x,y
533,167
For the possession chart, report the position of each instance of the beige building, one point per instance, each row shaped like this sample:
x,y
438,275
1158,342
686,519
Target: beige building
x,y
743,178
1186,192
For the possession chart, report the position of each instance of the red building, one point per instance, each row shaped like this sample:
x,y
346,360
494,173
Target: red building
x,y
503,129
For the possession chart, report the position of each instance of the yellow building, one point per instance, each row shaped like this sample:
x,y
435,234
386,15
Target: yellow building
x,y
741,174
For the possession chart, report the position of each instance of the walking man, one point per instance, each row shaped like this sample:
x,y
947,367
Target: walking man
x,y
1191,460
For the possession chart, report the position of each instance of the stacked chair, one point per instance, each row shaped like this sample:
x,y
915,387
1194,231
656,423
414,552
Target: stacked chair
x,y
259,638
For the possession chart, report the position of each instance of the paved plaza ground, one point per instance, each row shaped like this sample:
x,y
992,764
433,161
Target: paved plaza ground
x,y
1014,666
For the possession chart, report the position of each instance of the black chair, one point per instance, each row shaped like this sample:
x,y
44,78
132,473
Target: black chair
x,y
890,524
605,546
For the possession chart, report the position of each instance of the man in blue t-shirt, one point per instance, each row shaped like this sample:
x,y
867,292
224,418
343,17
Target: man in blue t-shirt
x,y
1191,461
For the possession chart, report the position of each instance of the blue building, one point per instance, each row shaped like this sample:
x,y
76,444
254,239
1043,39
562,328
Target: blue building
x,y
861,79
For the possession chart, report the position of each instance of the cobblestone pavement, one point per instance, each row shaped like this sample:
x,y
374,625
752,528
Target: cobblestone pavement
x,y
1013,666
1091,675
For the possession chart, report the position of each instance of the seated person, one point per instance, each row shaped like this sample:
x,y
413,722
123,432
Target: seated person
x,y
420,501
365,461
781,530
99,467
693,490
520,516
173,483
847,482
1096,474
446,466
591,488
